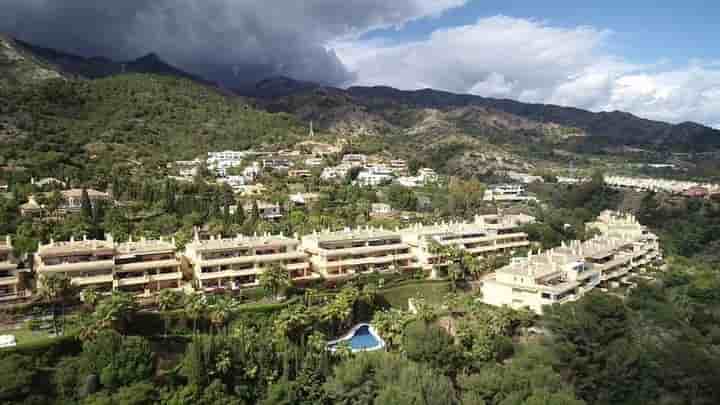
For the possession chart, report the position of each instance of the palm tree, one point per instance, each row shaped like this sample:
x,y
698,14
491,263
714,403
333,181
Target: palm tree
x,y
195,308
310,295
221,309
89,328
116,312
274,279
90,297
56,288
472,265
424,311
167,300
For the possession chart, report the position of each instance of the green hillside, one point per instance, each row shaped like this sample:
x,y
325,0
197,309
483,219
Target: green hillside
x,y
68,125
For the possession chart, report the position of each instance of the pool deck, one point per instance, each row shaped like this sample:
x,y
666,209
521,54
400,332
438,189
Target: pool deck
x,y
351,334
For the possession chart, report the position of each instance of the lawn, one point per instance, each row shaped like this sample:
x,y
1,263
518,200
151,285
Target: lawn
x,y
433,292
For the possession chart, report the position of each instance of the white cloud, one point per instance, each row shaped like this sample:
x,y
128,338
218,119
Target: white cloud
x,y
534,61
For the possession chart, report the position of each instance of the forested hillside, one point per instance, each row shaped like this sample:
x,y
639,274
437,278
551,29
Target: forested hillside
x,y
59,125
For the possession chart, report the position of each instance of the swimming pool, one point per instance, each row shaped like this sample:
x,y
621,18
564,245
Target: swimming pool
x,y
362,338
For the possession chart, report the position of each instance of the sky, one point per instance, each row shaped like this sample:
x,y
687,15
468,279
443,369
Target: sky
x,y
656,59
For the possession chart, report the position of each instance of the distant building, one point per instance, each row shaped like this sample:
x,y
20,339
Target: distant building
x,y
300,173
507,193
304,199
268,211
314,162
381,210
373,176
277,164
355,160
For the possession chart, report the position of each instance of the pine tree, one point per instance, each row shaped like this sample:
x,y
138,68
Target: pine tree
x,y
239,215
86,209
255,216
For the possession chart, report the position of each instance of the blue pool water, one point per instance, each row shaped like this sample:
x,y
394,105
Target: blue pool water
x,y
362,339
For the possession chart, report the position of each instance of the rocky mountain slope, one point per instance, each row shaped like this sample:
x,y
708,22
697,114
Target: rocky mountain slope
x,y
359,110
98,67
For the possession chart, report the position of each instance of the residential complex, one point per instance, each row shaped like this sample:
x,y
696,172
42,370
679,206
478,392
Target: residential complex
x,y
234,263
142,267
145,267
485,236
87,262
352,251
11,288
563,274
653,184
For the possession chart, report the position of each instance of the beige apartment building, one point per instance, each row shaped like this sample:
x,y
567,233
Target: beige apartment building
x,y
146,267
87,262
141,267
234,263
352,251
622,249
475,238
555,276
11,288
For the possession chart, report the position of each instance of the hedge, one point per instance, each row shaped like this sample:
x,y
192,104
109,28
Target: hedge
x,y
49,350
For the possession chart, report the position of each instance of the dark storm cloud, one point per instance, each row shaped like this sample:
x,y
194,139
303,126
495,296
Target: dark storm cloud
x,y
234,41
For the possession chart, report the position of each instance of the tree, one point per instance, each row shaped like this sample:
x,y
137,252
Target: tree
x,y
16,375
86,209
116,312
255,213
90,297
56,289
221,308
195,307
166,301
585,334
274,279
430,344
239,218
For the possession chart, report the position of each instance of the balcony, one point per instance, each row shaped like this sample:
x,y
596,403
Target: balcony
x,y
7,266
500,246
156,264
362,250
369,260
79,266
228,274
11,280
90,280
297,266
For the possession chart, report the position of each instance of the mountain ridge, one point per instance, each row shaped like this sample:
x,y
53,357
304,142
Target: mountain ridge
x,y
615,127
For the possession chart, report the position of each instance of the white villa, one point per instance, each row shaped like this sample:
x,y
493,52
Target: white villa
x,y
507,193
373,176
